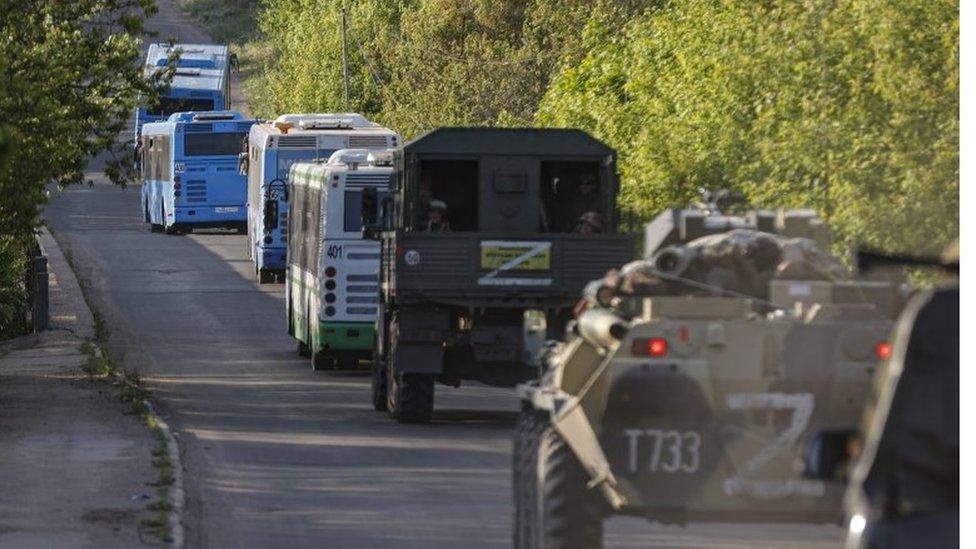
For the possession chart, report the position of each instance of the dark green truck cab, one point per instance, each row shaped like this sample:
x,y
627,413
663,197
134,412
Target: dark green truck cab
x,y
486,228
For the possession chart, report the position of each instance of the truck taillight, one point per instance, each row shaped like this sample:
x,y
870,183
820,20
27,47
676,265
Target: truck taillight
x,y
655,347
882,350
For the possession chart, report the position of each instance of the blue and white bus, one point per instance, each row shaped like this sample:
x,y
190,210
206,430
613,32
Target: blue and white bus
x,y
272,147
201,82
190,176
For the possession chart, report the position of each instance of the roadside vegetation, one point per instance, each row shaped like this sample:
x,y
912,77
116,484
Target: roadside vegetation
x,y
851,108
71,74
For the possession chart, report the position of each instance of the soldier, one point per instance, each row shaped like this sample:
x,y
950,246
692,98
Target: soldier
x,y
436,222
589,223
904,490
583,201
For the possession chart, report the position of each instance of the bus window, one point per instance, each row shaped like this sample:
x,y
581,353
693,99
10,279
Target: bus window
x,y
361,207
212,144
169,105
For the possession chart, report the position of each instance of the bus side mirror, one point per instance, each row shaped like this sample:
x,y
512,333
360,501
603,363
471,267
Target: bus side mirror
x,y
828,453
270,214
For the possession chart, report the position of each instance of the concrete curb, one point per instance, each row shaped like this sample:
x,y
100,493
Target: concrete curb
x,y
67,288
176,494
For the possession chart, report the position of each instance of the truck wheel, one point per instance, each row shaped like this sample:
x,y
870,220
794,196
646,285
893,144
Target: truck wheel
x,y
409,397
524,458
378,385
566,513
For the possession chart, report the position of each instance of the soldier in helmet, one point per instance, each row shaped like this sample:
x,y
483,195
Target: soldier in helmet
x,y
436,220
589,223
904,489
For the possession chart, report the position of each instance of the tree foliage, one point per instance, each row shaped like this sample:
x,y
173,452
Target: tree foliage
x,y
419,64
71,75
847,107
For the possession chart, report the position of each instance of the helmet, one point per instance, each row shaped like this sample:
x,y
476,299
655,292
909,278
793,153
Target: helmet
x,y
592,218
438,205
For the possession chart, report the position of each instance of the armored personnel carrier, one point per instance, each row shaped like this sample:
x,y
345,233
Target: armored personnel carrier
x,y
686,387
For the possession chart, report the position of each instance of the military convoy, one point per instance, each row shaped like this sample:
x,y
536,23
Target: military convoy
x,y
686,388
486,228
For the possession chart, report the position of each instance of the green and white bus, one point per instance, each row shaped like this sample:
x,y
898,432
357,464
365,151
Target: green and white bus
x,y
331,286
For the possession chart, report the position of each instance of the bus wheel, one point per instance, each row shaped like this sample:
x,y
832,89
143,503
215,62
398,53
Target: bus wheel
x,y
265,276
322,360
153,227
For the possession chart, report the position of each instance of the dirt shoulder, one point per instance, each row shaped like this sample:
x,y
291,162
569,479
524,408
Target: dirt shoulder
x,y
75,460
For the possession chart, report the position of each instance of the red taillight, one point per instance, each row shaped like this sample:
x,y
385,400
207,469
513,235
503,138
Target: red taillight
x,y
400,251
882,350
655,347
330,272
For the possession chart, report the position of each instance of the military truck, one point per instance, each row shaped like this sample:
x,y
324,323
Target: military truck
x,y
684,389
488,232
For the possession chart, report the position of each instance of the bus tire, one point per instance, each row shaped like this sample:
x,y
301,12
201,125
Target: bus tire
x,y
378,385
321,360
153,227
566,513
265,276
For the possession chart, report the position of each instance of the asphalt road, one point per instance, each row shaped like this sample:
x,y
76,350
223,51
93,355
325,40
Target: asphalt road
x,y
277,455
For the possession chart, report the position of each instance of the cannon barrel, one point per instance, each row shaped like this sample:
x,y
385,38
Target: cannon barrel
x,y
869,259
674,260
601,327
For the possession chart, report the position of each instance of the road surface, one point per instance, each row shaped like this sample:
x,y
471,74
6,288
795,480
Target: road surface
x,y
277,455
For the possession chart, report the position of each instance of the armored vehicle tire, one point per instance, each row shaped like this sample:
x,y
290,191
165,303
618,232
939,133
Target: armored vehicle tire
x,y
563,513
524,458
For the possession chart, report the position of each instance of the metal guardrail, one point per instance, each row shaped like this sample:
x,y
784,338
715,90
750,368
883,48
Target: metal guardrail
x,y
38,290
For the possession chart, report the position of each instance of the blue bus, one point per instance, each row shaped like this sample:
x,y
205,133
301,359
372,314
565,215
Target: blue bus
x,y
271,148
190,176
201,82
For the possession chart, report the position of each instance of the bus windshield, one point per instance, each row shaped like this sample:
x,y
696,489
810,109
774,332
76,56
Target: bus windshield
x,y
353,209
213,144
169,105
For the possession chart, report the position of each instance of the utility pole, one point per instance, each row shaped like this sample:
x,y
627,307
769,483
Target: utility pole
x,y
345,62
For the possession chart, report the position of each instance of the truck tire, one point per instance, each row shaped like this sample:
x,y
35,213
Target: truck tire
x,y
378,385
524,451
378,367
567,514
409,397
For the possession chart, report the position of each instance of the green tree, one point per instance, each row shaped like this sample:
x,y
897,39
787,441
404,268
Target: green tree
x,y
71,76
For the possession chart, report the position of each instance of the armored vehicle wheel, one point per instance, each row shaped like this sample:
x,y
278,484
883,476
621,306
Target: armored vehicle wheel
x,y
409,397
524,458
564,513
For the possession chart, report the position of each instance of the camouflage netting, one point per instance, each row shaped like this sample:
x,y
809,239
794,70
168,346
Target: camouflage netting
x,y
742,261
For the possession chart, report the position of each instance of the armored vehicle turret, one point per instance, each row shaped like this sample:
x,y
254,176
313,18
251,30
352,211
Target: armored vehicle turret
x,y
690,379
